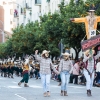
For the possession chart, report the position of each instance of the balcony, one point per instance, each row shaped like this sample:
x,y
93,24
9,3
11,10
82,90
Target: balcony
x,y
30,12
48,1
37,2
39,14
16,14
23,11
27,7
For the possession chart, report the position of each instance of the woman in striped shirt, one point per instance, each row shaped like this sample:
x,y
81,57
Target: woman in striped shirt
x,y
45,70
65,68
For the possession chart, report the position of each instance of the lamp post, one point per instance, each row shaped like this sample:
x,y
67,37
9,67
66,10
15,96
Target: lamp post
x,y
2,30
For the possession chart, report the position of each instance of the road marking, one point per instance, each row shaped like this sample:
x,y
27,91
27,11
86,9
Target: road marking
x,y
55,86
14,82
82,87
14,87
21,97
76,92
76,87
34,86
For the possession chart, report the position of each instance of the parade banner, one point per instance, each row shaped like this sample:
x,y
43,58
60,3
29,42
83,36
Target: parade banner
x,y
87,44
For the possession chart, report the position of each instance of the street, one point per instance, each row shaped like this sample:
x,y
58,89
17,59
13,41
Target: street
x,y
9,90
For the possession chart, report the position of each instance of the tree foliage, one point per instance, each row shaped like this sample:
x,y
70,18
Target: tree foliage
x,y
47,33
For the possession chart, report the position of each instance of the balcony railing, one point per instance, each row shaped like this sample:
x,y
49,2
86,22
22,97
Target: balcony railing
x,y
23,11
48,0
16,16
39,14
37,2
30,12
16,13
27,6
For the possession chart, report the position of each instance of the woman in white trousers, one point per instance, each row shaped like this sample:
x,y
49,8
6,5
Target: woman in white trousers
x,y
89,69
45,70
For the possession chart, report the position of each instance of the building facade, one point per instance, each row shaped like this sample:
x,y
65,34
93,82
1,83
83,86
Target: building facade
x,y
1,23
7,17
20,12
31,10
17,12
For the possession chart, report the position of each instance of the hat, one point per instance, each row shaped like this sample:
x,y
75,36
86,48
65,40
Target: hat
x,y
88,52
26,61
92,8
9,60
45,51
66,54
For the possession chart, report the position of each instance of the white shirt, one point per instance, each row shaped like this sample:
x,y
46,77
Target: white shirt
x,y
98,67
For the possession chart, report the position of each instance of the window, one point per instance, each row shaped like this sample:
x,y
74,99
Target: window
x,y
17,6
48,0
52,7
4,3
12,29
11,11
10,22
15,13
18,24
76,1
45,9
37,1
21,10
26,5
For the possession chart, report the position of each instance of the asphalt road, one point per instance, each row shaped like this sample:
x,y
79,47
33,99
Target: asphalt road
x,y
9,90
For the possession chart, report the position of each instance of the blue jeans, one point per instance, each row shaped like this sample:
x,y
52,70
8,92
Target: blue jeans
x,y
64,80
45,79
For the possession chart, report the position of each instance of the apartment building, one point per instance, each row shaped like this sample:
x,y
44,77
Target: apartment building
x,y
31,10
6,15
1,23
19,12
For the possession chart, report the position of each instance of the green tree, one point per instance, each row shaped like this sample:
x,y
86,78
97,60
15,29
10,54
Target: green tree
x,y
24,38
47,33
52,31
73,33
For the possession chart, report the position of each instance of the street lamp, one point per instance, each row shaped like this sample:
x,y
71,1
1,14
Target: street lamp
x,y
2,30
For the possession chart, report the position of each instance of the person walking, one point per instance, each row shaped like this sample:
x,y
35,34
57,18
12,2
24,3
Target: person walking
x,y
98,73
25,73
65,68
76,69
89,69
45,70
